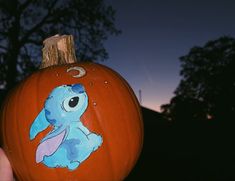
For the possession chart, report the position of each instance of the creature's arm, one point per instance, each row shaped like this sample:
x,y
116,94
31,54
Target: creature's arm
x,y
83,128
39,124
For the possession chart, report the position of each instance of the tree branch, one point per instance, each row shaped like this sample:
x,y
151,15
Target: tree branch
x,y
3,47
39,25
34,41
25,5
3,33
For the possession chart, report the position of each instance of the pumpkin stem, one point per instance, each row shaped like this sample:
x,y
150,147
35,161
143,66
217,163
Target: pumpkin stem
x,y
58,50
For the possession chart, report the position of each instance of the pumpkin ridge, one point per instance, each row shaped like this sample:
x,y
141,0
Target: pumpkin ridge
x,y
17,97
105,141
136,104
105,71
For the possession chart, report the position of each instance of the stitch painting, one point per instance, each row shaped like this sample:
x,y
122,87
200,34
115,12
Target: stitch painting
x,y
70,142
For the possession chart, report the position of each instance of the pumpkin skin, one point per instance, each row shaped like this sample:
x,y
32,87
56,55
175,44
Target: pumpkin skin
x,y
113,112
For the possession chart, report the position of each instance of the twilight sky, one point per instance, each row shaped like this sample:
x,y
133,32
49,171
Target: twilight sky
x,y
156,33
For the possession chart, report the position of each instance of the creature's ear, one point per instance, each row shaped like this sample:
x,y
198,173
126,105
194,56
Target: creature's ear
x,y
39,124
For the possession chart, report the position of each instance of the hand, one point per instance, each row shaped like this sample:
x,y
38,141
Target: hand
x,y
6,173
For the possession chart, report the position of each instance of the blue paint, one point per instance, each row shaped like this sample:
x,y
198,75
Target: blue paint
x,y
38,125
71,148
78,88
51,121
47,112
70,142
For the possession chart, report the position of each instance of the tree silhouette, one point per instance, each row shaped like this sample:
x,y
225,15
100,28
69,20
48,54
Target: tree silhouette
x,y
207,88
24,24
184,109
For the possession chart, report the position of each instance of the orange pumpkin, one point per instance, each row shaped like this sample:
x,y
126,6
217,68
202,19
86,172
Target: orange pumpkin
x,y
112,112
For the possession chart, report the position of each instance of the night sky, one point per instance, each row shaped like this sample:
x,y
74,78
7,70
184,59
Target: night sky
x,y
156,33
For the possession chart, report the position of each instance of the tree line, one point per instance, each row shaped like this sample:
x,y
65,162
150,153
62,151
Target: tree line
x,y
207,88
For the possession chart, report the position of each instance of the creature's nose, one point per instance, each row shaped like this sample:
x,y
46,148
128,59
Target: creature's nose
x,y
78,88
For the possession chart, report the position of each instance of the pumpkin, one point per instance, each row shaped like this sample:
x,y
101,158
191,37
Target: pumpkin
x,y
75,121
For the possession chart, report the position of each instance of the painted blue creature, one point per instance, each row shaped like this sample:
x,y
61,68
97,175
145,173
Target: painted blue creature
x,y
70,142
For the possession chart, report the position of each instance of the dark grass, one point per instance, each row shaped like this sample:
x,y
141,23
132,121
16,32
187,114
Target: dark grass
x,y
186,151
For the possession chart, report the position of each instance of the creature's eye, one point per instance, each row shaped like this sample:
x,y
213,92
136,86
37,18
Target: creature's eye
x,y
73,101
71,104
